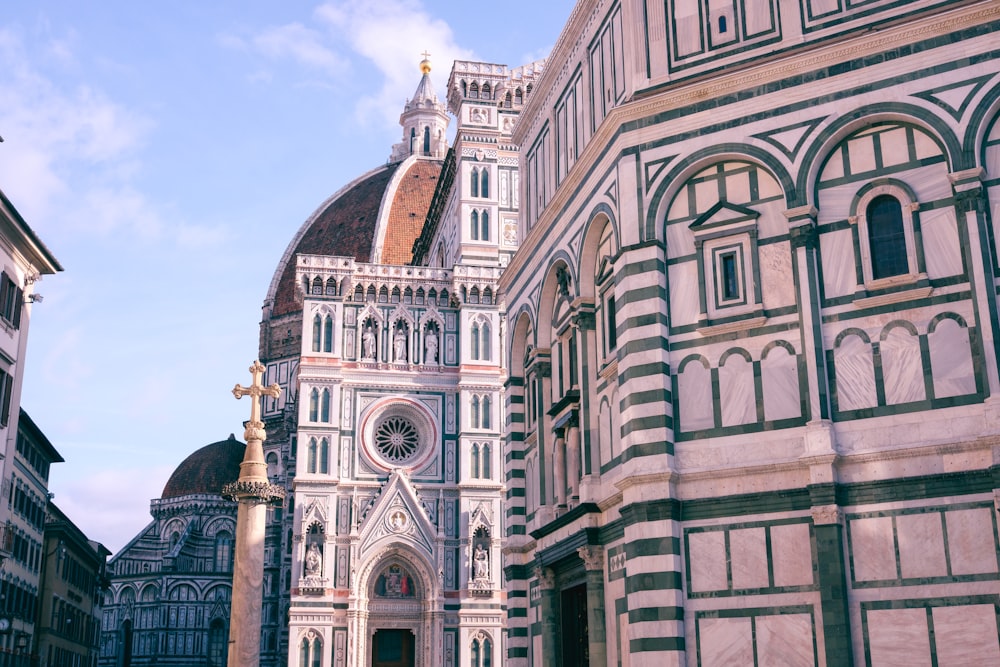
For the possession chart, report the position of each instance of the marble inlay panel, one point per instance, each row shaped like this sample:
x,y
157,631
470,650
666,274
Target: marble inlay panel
x,y
748,549
725,641
791,555
971,543
785,639
951,360
778,289
942,251
899,638
921,545
736,392
855,374
872,550
901,367
708,561
684,304
837,249
966,635
780,383
694,391
861,155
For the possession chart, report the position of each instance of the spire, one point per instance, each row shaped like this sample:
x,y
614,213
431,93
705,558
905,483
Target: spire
x,y
424,120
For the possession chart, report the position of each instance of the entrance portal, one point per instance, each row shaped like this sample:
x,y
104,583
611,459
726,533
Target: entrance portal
x,y
393,648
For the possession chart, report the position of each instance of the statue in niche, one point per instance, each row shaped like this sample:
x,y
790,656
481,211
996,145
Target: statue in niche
x,y
481,563
395,582
399,343
430,346
368,341
314,561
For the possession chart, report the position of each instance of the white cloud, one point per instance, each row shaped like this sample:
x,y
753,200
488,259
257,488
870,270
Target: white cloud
x,y
392,34
71,153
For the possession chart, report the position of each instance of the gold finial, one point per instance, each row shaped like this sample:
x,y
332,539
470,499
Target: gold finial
x,y
425,64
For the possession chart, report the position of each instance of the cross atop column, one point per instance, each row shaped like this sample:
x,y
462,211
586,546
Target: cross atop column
x,y
426,55
255,427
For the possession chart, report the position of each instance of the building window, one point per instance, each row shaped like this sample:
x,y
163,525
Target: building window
x,y
474,219
314,405
486,464
474,461
324,406
312,455
324,456
311,652
481,654
886,237
474,412
328,334
484,233
484,183
11,300
474,183
486,412
317,330
223,551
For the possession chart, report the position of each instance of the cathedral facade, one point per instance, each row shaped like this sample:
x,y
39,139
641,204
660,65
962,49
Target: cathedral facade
x,y
384,329
753,365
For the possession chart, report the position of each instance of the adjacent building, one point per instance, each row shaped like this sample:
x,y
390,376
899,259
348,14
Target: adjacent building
x,y
26,451
753,362
73,583
170,588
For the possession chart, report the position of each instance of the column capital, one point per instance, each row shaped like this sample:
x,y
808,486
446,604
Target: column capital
x,y
546,577
592,557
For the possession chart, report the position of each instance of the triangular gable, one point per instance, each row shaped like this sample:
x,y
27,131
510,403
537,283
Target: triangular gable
x,y
481,516
397,515
722,217
315,512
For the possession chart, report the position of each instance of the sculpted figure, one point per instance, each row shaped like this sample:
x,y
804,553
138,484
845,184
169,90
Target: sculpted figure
x,y
481,563
368,340
399,344
430,347
314,560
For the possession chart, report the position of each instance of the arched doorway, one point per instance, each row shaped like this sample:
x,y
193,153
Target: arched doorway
x,y
401,612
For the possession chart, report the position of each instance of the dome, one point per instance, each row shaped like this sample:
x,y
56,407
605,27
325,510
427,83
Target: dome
x,y
376,218
207,470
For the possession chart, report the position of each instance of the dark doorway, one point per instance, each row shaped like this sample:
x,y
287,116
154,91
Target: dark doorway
x,y
392,648
575,638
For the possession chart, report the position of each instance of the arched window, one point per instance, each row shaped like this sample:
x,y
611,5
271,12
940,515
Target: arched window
x,y
311,652
474,219
324,406
324,456
474,341
486,343
518,97
484,183
427,141
317,330
474,91
474,461
487,92
506,100
223,551
317,285
723,25
217,643
484,234
474,412
314,405
486,412
886,237
328,334
331,287
487,465
311,456
474,183
481,654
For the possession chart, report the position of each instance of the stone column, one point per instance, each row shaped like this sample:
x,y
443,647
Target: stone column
x,y
559,469
548,611
593,562
831,573
253,491
573,459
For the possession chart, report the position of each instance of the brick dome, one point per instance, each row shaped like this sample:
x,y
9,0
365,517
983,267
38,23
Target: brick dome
x,y
206,471
376,218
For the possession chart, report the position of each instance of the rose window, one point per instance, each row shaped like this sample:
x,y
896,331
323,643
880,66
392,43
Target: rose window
x,y
396,439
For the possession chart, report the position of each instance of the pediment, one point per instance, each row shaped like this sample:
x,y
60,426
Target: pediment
x,y
397,515
724,218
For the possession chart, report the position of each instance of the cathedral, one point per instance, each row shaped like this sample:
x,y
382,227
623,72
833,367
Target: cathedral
x,y
685,352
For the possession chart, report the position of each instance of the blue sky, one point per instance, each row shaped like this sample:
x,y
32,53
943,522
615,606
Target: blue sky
x,y
166,153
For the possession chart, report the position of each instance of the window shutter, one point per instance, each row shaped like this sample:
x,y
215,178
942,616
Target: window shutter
x,y
8,383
